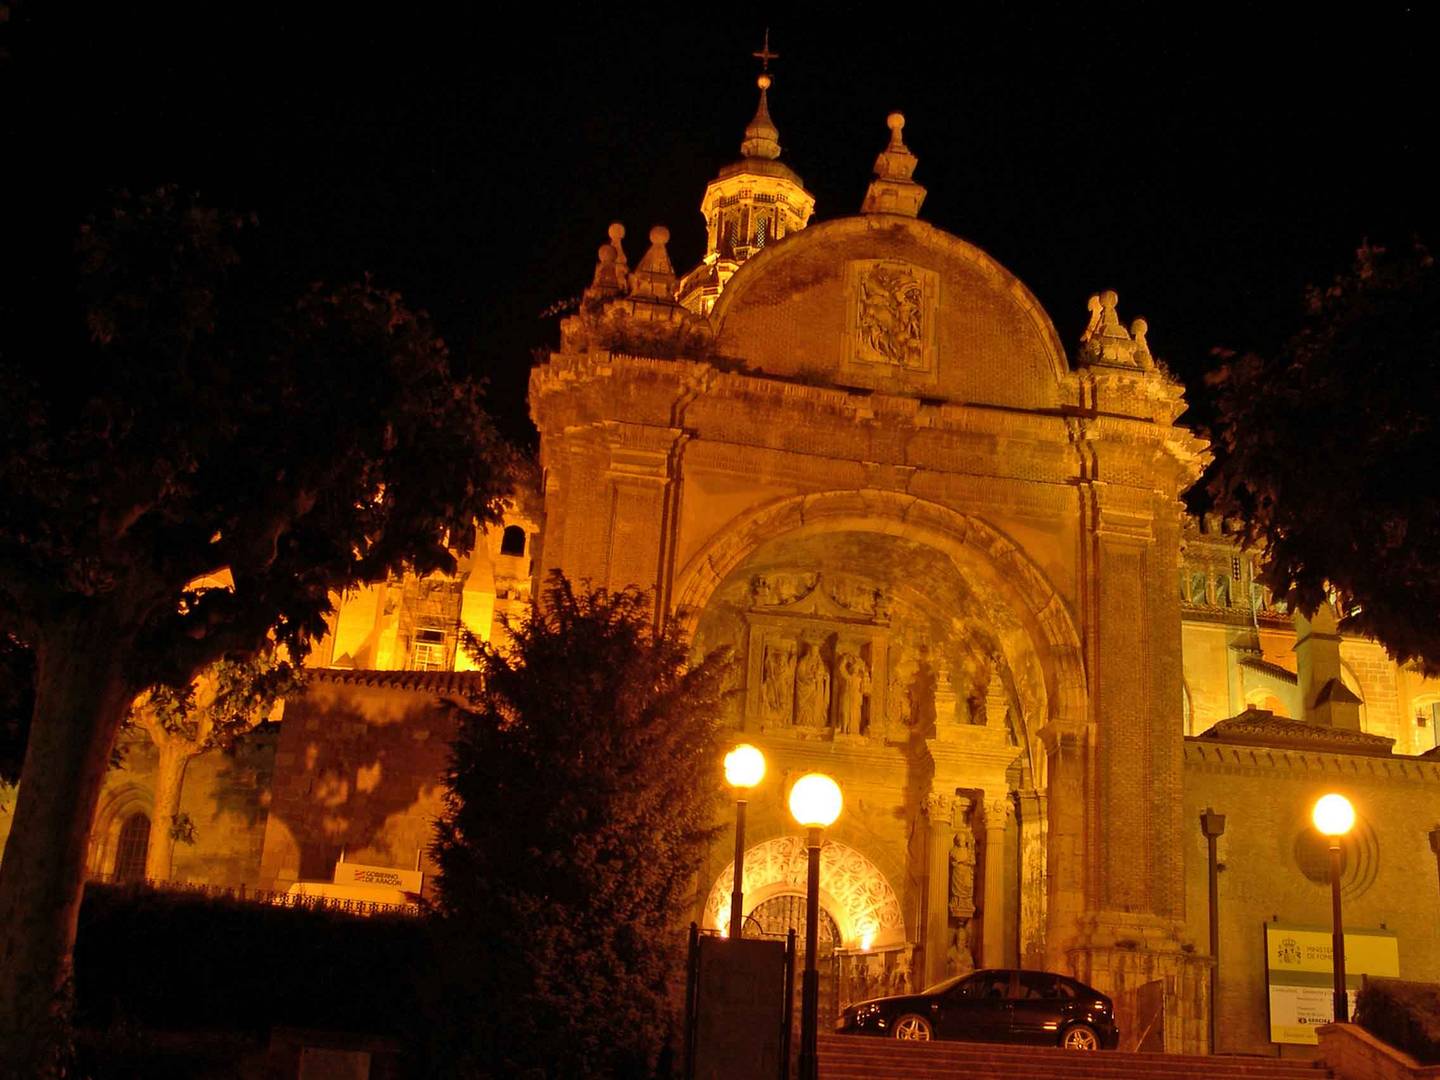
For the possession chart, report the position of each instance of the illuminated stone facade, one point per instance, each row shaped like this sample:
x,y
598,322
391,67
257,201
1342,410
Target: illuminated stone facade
x,y
953,562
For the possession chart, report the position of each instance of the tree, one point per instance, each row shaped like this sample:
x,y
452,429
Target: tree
x,y
1326,453
17,698
193,423
581,794
213,712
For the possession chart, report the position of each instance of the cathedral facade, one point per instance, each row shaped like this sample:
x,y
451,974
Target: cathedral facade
x,y
952,561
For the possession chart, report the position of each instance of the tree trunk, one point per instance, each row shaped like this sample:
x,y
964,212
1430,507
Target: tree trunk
x,y
80,700
175,753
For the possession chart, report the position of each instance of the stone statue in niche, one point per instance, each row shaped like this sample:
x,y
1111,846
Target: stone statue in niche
x,y
779,675
958,959
922,693
897,703
812,688
997,700
962,873
852,678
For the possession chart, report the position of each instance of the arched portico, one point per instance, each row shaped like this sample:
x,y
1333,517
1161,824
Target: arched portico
x,y
853,890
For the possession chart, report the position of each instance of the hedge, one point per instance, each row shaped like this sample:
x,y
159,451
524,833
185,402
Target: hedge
x,y
1404,1014
178,961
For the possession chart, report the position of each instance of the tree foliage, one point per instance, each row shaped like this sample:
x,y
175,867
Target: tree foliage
x,y
581,794
191,425
1326,453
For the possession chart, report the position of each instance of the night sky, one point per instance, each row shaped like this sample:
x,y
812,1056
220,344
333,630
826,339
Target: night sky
x,y
1202,162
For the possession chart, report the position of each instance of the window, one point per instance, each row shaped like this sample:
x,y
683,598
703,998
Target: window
x,y
512,541
427,653
132,847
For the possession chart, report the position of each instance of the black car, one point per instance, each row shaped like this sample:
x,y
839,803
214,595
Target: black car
x,y
1035,1007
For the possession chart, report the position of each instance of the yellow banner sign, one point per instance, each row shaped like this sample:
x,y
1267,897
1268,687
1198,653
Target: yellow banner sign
x,y
1298,962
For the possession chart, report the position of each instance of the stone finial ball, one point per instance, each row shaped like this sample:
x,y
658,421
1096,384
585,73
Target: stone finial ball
x,y
764,82
617,231
895,121
659,235
1109,298
606,253
1139,328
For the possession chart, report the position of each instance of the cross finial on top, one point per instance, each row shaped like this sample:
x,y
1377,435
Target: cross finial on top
x,y
765,55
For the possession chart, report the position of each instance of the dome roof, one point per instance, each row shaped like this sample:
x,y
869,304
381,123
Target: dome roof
x,y
887,302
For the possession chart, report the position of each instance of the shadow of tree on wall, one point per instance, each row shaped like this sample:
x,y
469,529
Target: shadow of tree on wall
x,y
350,769
244,780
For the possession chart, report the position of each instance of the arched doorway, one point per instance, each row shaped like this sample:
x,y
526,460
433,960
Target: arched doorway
x,y
776,917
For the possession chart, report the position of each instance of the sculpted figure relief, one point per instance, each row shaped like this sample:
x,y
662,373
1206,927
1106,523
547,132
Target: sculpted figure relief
x,y
962,873
891,302
958,960
922,693
812,689
779,685
775,590
853,683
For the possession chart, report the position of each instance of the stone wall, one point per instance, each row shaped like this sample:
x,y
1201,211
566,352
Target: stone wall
x,y
1267,795
359,767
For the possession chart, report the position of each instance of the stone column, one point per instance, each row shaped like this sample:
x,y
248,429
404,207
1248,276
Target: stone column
x,y
992,953
1034,876
935,913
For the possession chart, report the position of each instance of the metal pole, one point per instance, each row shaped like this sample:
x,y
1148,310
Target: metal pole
x,y
737,898
1213,826
1214,939
1342,999
810,987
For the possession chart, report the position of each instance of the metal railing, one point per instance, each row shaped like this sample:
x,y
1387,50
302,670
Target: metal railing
x,y
272,897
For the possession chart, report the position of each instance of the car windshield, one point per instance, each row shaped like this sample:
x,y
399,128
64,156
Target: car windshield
x,y
943,985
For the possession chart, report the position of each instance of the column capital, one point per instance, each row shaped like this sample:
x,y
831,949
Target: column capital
x,y
998,811
938,807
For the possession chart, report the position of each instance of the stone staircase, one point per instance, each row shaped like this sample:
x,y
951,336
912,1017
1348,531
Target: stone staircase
x,y
858,1057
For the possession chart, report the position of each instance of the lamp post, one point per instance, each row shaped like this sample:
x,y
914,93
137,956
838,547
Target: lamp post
x,y
744,768
1213,826
1333,816
815,803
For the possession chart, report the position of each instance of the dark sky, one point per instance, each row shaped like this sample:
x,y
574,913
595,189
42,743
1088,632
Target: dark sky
x,y
1206,161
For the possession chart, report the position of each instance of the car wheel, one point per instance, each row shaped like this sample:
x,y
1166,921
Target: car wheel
x,y
914,1028
1080,1037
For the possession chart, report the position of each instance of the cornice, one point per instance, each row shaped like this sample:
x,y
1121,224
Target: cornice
x,y
1202,755
430,682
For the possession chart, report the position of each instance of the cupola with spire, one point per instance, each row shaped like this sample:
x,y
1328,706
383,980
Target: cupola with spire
x,y
751,203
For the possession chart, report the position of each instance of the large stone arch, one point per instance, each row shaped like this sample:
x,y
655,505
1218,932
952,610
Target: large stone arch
x,y
853,890
972,544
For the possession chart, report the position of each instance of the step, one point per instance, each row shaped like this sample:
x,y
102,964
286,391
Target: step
x,y
870,1058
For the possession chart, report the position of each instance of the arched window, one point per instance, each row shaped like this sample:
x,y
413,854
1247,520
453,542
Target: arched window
x,y
512,541
132,847
762,230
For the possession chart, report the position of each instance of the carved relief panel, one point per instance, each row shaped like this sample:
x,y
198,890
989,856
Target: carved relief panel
x,y
817,655
890,316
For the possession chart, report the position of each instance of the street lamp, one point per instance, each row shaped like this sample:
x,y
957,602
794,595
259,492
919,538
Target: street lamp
x,y
1213,826
815,803
1333,816
744,768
